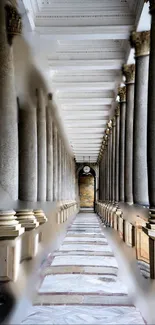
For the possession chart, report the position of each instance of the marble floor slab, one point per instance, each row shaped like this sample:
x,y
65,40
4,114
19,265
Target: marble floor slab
x,y
82,260
85,239
82,283
81,315
79,269
82,286
85,247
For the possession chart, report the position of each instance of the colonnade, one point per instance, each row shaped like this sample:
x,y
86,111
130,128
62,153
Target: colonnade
x,y
127,159
35,164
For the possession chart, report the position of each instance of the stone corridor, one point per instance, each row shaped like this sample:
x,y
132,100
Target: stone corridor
x,y
81,284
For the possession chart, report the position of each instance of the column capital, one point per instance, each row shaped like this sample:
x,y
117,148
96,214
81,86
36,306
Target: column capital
x,y
122,94
129,72
13,22
152,4
117,110
141,42
109,124
107,131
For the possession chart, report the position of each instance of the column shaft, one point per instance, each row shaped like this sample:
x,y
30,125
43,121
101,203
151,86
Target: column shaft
x,y
59,169
41,137
55,164
110,161
151,116
117,158
129,72
49,151
8,113
141,42
113,158
27,152
122,94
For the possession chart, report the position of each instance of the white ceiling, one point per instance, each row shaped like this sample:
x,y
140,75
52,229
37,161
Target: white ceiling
x,y
83,45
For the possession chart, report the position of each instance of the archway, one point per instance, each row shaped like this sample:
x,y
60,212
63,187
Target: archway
x,y
87,187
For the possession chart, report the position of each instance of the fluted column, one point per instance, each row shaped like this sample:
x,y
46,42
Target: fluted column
x,y
122,96
49,126
129,72
55,164
113,157
117,158
27,152
141,42
8,112
41,142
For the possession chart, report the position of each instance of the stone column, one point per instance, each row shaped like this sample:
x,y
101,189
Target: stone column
x,y
151,116
122,96
59,169
27,152
65,175
55,164
110,160
141,42
129,72
8,107
62,171
41,137
150,230
113,158
117,158
49,125
107,165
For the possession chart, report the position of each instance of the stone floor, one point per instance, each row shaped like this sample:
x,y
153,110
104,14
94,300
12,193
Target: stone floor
x,y
81,284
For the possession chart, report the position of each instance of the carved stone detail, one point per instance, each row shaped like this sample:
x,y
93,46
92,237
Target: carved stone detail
x,y
141,42
122,94
129,72
13,22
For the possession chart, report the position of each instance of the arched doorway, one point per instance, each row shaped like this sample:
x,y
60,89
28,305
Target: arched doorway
x,y
87,186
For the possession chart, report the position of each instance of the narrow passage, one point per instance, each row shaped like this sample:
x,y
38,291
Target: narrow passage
x,y
82,285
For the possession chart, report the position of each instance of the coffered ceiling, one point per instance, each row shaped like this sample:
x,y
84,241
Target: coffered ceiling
x,y
83,45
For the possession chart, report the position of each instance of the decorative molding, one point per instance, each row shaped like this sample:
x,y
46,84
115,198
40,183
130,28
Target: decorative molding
x,y
129,72
141,42
122,94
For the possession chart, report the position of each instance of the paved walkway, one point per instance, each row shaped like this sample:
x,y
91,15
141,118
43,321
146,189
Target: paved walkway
x,y
81,284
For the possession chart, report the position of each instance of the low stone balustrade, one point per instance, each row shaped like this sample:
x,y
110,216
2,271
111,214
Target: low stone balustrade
x,y
20,234
65,210
130,230
10,245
